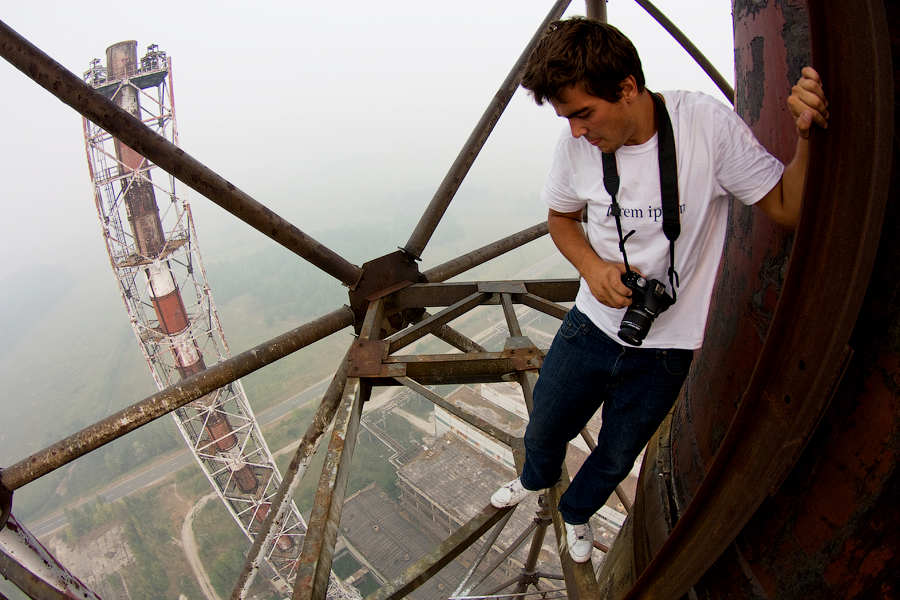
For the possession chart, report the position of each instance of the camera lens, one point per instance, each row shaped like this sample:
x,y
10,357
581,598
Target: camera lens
x,y
635,325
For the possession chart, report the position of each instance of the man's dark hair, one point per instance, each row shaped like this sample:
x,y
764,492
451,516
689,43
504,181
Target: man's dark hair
x,y
581,51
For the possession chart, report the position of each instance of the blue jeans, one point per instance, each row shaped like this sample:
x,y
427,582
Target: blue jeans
x,y
585,369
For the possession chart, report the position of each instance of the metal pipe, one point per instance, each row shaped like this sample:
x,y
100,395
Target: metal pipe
x,y
477,422
454,338
545,306
281,502
509,311
6,497
502,586
445,294
506,554
92,105
454,178
25,561
441,555
691,49
29,583
406,337
556,576
458,369
483,552
171,398
527,381
454,267
537,541
596,9
314,564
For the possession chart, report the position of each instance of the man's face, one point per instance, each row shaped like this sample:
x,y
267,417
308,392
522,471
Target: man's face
x,y
606,125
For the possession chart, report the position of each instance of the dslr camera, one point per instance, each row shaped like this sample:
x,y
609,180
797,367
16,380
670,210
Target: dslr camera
x,y
648,299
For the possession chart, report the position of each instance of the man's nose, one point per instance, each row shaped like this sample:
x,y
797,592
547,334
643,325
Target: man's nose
x,y
577,130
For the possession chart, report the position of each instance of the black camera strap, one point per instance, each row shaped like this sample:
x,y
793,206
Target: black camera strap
x,y
668,186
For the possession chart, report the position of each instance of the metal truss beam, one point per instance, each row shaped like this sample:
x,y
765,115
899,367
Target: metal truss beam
x,y
454,178
25,562
461,264
171,398
314,565
442,554
281,502
128,129
446,294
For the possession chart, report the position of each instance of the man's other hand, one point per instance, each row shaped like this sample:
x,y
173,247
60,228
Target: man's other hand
x,y
807,103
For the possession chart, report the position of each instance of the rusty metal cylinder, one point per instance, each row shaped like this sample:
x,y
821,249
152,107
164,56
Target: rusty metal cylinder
x,y
121,60
170,312
188,360
831,530
191,369
246,479
262,511
140,200
219,430
143,215
284,543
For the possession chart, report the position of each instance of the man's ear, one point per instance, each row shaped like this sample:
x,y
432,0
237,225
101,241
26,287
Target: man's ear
x,y
629,89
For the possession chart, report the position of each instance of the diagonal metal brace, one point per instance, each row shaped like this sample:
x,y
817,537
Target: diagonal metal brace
x,y
314,565
441,555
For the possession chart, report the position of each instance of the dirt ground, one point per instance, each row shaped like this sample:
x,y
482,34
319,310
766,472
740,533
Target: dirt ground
x,y
104,552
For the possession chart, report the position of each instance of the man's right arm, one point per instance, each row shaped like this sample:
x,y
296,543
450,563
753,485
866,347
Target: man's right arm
x,y
603,278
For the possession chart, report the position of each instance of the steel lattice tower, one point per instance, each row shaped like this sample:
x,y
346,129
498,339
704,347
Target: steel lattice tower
x,y
153,250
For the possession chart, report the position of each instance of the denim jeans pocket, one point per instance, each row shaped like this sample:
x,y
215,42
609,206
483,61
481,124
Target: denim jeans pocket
x,y
574,322
677,361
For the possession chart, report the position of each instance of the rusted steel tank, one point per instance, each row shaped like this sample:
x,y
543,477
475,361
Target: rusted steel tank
x,y
778,474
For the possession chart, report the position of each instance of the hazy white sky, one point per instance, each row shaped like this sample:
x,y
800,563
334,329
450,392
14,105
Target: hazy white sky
x,y
322,111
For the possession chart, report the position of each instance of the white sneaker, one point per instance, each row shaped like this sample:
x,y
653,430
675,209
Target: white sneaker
x,y
580,541
510,494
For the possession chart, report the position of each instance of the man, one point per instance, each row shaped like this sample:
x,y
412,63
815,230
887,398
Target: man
x,y
591,74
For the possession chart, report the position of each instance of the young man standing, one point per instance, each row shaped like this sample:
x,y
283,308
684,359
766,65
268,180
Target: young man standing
x,y
591,74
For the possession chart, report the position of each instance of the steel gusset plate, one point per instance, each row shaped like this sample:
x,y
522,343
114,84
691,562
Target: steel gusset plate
x,y
805,351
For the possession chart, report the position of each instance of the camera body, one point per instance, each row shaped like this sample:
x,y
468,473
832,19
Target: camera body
x,y
648,300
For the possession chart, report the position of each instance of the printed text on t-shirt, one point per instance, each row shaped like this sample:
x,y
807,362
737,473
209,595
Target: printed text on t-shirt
x,y
639,213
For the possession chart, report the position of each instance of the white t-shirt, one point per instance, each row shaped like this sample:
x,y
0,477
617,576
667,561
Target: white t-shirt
x,y
717,154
